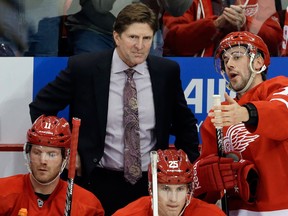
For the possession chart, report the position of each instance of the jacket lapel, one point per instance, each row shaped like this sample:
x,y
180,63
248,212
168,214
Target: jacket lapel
x,y
101,90
155,82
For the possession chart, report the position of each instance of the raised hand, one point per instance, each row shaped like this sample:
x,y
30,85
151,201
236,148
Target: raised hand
x,y
230,114
235,15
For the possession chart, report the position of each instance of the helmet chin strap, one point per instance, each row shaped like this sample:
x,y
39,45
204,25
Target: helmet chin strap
x,y
188,200
251,78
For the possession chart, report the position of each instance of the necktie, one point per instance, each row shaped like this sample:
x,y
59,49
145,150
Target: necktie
x,y
132,156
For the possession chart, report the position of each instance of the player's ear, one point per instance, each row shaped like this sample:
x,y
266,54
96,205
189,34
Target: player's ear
x,y
258,62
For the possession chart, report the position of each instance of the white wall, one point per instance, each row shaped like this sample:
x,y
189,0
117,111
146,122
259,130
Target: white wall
x,y
16,83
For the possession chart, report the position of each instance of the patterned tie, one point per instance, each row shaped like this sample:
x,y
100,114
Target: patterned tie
x,y
132,156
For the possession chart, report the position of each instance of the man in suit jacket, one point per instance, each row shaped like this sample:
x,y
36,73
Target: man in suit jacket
x,y
92,84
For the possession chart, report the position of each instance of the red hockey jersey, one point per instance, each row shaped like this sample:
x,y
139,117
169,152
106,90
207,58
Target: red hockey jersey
x,y
143,207
16,192
266,146
194,33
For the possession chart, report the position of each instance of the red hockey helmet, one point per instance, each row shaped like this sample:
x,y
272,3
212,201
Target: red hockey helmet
x,y
50,131
173,167
253,42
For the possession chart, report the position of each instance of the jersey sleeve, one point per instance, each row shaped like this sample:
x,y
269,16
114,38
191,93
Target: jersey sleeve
x,y
273,111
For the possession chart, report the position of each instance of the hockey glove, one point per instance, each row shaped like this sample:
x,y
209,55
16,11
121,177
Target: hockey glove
x,y
212,174
246,177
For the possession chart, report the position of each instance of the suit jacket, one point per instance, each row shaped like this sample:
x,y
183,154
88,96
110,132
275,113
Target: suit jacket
x,y
84,85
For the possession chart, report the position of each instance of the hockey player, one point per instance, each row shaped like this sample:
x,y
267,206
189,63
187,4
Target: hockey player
x,y
174,176
255,133
41,191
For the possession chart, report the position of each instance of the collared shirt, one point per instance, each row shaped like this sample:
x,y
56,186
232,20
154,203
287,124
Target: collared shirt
x,y
114,142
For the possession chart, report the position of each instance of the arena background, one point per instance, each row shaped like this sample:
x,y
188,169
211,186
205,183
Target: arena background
x,y
22,77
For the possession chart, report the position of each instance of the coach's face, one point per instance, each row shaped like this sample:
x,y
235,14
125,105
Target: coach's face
x,y
133,45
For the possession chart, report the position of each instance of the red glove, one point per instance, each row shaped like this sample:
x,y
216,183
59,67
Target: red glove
x,y
213,174
247,180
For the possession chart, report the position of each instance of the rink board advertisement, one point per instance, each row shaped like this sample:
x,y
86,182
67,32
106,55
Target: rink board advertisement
x,y
22,77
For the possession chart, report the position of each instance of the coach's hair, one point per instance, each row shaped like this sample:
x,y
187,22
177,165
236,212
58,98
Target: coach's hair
x,y
135,13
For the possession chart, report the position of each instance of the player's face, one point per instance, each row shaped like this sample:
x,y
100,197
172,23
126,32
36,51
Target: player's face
x,y
45,163
133,45
236,63
171,199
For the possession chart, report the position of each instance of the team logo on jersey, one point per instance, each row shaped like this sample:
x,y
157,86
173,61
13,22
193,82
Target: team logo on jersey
x,y
237,138
251,10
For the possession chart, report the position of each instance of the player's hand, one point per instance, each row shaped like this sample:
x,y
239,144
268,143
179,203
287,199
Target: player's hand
x,y
230,114
246,181
213,174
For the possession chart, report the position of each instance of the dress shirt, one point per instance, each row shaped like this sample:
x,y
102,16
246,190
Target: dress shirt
x,y
114,142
